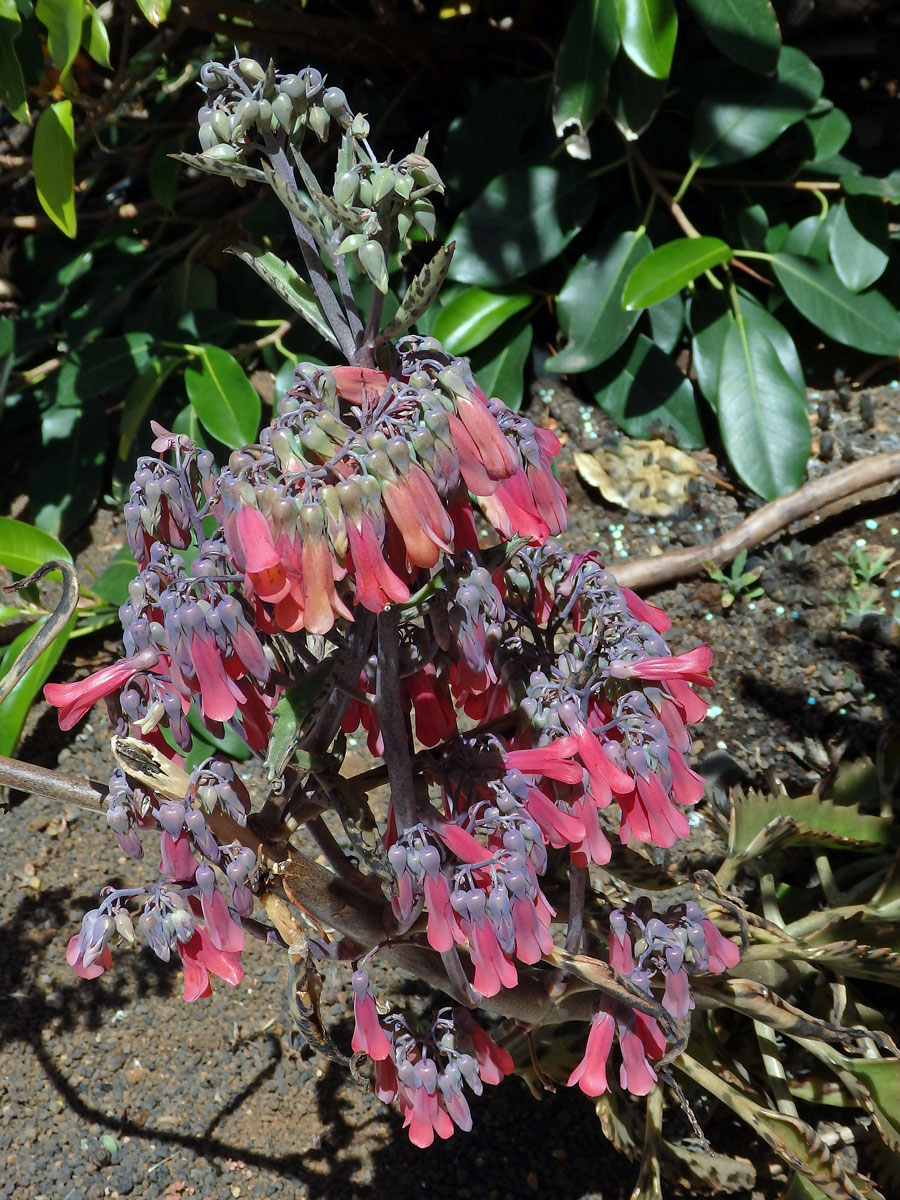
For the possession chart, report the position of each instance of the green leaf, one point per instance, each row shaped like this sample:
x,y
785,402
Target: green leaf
x,y
667,323
112,586
522,220
866,322
589,46
746,31
741,114
499,363
471,317
23,548
63,19
589,307
15,708
94,36
155,11
762,414
858,242
808,238
101,367
648,29
65,477
711,319
222,396
646,394
53,156
421,294
286,283
633,97
671,267
869,185
12,82
828,132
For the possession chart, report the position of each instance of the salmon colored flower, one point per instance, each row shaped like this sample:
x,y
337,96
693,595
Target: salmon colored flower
x,y
75,699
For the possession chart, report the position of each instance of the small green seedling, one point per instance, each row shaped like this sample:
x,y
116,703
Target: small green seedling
x,y
866,570
737,582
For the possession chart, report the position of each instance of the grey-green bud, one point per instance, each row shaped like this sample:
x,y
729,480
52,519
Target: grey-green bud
x,y
359,126
351,243
384,184
319,122
222,153
283,111
337,107
346,185
250,70
221,123
371,259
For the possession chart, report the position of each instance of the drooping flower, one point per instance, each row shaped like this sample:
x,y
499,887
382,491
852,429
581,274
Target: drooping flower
x,y
75,699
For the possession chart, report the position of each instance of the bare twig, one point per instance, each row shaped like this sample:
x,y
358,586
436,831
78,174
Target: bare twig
x,y
643,573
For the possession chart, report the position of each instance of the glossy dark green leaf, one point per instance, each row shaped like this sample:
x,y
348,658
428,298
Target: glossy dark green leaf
x,y
53,155
101,367
589,46
867,321
63,20
23,548
94,36
471,317
223,397
12,82
858,241
828,133
746,31
870,185
67,474
667,323
499,363
589,307
762,413
112,585
753,225
671,267
741,114
633,98
646,394
648,29
15,708
808,238
711,319
522,220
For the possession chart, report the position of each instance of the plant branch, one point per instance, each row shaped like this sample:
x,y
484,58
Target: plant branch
x,y
767,521
670,202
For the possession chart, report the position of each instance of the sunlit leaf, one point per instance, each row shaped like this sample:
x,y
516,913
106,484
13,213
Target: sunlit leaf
x,y
470,318
582,70
223,397
671,267
63,20
23,548
744,30
53,164
648,29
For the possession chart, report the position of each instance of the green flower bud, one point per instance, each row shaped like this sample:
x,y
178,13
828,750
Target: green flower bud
x,y
376,440
404,224
384,184
283,111
378,464
250,70
423,211
124,925
398,452
351,243
319,122
221,123
366,192
403,184
337,107
359,127
346,185
264,117
223,153
207,136
371,259
244,116
293,86
312,81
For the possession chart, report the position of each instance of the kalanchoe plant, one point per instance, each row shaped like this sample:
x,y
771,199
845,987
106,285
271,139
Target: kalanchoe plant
x,y
385,557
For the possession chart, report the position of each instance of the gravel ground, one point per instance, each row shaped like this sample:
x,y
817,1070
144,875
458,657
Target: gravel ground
x,y
115,1087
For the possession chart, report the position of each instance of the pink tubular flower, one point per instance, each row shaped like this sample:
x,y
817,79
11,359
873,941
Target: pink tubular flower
x,y
201,958
424,1115
177,859
376,583
368,1036
74,699
723,952
640,1038
418,514
590,1074
493,1061
75,959
690,667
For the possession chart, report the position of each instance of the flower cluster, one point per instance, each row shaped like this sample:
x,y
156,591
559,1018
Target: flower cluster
x,y
425,1075
525,708
642,946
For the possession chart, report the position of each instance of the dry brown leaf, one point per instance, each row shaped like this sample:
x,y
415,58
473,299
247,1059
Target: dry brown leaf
x,y
650,478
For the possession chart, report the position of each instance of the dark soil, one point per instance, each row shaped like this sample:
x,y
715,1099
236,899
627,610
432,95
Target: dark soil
x,y
117,1088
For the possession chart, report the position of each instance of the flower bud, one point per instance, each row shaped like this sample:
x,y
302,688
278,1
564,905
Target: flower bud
x,y
250,70
283,112
221,123
371,259
336,106
319,122
346,185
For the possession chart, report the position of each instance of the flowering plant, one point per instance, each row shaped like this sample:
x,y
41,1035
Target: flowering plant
x,y
385,557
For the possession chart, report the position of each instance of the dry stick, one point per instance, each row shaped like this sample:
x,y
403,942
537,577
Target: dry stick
x,y
759,526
